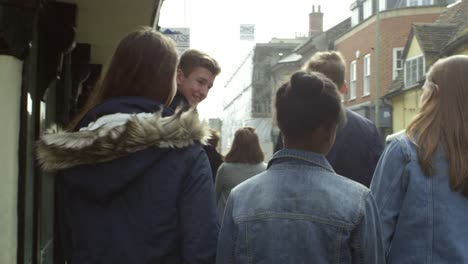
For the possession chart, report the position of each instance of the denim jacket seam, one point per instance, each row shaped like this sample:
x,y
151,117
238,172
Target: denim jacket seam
x,y
318,163
404,148
405,145
430,208
289,166
308,167
358,234
267,215
338,245
360,213
248,249
235,233
389,193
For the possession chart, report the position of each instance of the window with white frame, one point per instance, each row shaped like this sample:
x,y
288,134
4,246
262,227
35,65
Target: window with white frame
x,y
397,60
414,70
367,9
352,80
354,17
419,2
382,5
366,68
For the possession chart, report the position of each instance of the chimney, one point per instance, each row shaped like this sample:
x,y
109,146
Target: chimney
x,y
315,22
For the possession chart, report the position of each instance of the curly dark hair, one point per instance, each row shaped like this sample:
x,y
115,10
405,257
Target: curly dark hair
x,y
308,101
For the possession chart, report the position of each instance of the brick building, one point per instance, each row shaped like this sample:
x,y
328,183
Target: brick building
x,y
358,46
426,43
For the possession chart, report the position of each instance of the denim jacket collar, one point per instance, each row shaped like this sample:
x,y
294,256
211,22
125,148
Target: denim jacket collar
x,y
302,156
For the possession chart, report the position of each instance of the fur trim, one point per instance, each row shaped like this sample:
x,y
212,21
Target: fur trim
x,y
58,149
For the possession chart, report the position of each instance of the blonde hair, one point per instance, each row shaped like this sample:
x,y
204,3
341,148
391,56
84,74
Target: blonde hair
x,y
443,118
329,63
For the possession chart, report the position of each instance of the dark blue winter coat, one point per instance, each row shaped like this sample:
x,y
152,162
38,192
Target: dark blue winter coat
x,y
357,149
136,186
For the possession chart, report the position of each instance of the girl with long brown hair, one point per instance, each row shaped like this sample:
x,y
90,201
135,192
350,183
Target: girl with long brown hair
x,y
244,160
421,181
137,185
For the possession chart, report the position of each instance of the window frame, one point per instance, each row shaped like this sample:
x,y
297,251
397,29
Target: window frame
x,y
366,69
355,17
382,5
352,80
367,9
395,60
419,3
418,71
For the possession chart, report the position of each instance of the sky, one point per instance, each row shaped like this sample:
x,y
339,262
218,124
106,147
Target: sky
x,y
214,28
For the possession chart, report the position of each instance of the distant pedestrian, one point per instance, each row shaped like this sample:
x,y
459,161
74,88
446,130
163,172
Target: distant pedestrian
x,y
137,185
421,181
215,158
299,210
244,160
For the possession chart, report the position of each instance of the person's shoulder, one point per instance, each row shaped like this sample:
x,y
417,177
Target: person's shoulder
x,y
189,153
349,186
357,118
400,135
352,195
360,127
250,185
345,198
399,144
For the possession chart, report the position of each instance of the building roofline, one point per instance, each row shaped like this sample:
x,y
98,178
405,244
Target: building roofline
x,y
392,13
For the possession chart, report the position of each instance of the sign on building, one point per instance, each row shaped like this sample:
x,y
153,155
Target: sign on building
x,y
247,32
181,36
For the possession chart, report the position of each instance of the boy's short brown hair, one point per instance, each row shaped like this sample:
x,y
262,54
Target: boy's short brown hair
x,y
193,58
330,63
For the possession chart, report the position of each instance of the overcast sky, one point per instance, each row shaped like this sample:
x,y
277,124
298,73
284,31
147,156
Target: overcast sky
x,y
214,28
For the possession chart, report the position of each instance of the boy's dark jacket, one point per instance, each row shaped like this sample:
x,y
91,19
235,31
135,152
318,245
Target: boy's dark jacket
x,y
140,192
356,151
213,156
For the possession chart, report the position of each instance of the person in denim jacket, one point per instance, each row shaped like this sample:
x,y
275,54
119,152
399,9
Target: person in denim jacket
x,y
421,181
299,210
358,145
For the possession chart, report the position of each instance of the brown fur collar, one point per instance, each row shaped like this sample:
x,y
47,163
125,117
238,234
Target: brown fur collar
x,y
63,149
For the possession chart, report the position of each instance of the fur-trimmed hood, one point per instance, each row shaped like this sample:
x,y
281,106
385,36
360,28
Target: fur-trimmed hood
x,y
112,137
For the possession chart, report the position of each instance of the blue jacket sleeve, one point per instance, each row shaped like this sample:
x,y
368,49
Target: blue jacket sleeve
x,y
367,241
377,149
226,242
389,186
197,214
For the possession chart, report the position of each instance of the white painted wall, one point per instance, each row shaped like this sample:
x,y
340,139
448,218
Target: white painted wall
x,y
237,109
235,116
103,23
10,93
238,115
263,128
